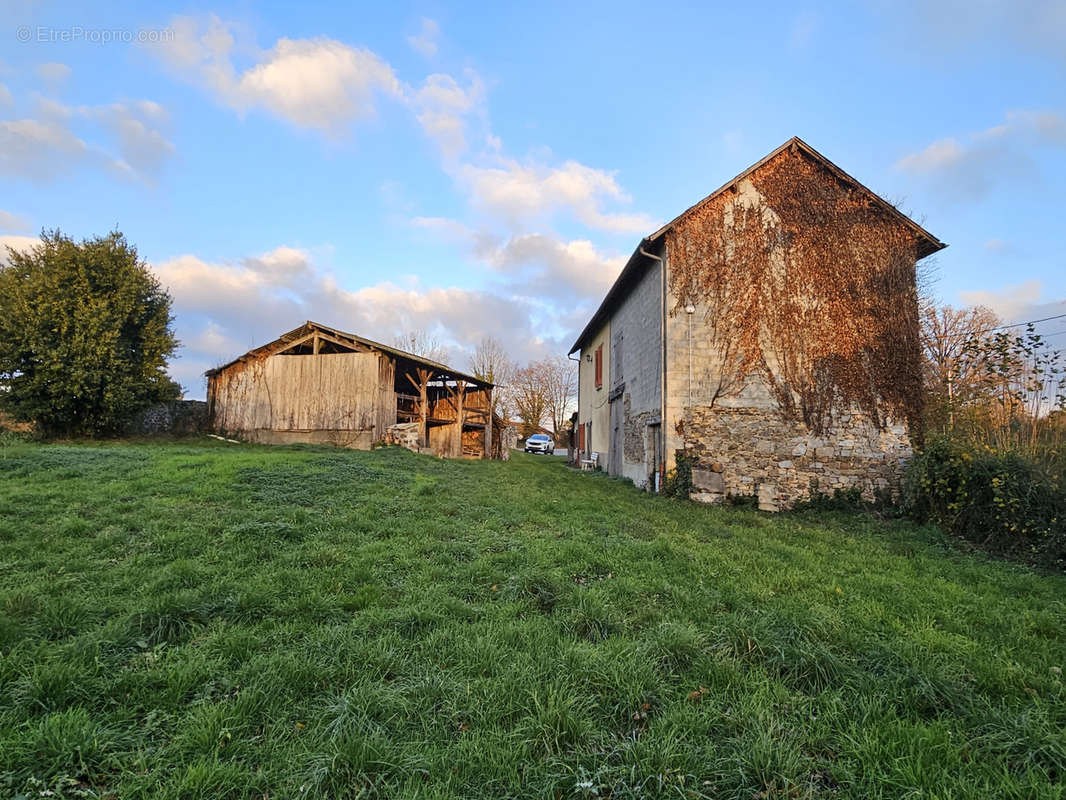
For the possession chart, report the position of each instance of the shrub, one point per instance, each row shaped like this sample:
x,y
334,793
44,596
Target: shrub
x,y
849,499
1000,501
678,482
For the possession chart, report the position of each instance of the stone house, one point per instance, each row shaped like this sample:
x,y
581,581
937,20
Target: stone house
x,y
768,336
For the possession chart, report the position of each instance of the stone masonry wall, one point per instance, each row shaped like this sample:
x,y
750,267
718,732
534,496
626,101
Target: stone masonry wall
x,y
754,451
179,418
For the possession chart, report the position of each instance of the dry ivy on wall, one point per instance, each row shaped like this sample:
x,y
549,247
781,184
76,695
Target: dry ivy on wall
x,y
812,286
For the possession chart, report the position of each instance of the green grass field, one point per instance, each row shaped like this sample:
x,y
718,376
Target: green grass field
x,y
204,620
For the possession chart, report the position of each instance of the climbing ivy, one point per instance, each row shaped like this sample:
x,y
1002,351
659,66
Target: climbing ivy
x,y
809,284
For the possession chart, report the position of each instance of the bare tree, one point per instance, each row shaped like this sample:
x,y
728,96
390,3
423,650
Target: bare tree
x,y
421,342
491,363
954,370
559,377
545,391
530,402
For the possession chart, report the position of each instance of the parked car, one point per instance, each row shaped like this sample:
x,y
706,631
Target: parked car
x,y
540,443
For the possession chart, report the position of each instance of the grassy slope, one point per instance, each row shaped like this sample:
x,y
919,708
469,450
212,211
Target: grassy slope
x,y
209,620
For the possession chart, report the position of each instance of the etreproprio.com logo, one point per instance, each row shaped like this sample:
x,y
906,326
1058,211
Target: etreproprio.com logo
x,y
77,33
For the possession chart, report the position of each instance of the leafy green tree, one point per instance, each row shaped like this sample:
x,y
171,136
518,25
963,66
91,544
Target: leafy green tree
x,y
85,333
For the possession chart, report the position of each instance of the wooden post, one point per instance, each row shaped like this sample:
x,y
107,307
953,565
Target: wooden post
x,y
487,393
423,403
459,397
317,344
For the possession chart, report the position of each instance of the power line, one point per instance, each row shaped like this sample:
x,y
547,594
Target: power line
x,y
1030,322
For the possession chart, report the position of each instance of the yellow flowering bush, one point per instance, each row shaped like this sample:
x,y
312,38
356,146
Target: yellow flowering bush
x,y
998,500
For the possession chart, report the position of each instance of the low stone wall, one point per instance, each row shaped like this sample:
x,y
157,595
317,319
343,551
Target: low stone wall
x,y
180,418
754,451
405,434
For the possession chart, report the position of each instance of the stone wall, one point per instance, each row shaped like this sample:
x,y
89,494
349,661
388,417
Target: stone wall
x,y
180,418
405,434
754,451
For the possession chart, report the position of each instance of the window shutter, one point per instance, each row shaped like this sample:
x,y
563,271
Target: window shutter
x,y
599,366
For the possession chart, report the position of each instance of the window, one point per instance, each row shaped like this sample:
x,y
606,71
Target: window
x,y
599,367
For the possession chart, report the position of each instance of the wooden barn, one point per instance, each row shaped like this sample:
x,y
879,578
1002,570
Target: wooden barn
x,y
320,385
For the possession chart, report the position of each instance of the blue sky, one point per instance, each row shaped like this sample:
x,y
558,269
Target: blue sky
x,y
383,167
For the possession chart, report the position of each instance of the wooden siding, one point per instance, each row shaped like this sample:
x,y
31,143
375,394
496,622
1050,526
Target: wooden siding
x,y
331,391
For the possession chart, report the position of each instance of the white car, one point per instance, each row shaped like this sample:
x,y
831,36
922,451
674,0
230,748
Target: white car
x,y
540,443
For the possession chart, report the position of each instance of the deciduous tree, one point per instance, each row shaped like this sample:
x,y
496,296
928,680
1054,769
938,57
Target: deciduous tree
x,y
559,376
492,363
531,404
954,367
421,342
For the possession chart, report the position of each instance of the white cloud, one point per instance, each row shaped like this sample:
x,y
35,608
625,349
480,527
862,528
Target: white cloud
x,y
51,110
53,72
941,154
970,167
16,243
46,146
5,96
441,107
535,265
425,41
39,150
517,193
1012,303
12,222
541,265
317,83
142,148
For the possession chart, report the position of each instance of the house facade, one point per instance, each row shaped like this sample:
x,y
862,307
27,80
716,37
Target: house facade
x,y
767,337
319,385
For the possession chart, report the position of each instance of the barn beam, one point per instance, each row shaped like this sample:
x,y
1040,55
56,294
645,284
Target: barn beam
x,y
423,402
460,395
316,338
487,440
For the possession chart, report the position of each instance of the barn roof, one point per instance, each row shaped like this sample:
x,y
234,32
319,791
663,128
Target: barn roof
x,y
288,339
632,271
